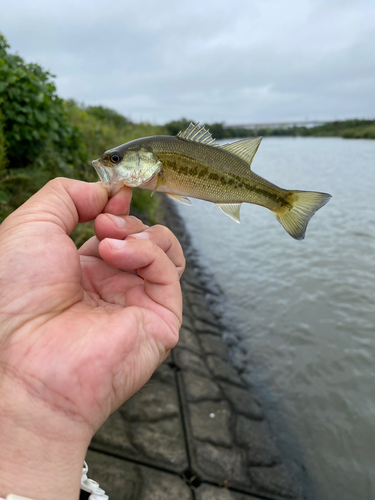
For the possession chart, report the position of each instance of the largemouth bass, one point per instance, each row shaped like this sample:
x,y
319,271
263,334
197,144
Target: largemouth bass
x,y
193,164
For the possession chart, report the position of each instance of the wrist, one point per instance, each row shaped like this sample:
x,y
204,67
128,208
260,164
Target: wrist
x,y
41,453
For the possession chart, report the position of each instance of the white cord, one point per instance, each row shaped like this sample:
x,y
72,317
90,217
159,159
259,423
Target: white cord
x,y
91,486
88,485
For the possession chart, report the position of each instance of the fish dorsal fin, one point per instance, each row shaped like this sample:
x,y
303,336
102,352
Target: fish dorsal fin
x,y
245,149
231,209
196,133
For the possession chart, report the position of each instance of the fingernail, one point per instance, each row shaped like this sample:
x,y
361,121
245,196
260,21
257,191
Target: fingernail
x,y
116,244
144,235
119,222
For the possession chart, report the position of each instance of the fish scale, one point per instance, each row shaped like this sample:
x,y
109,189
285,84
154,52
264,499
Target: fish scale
x,y
190,178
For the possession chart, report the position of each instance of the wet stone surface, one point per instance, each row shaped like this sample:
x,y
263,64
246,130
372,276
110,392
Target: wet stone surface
x,y
243,402
187,360
213,344
199,388
148,427
209,492
259,441
210,422
195,431
189,341
125,480
222,370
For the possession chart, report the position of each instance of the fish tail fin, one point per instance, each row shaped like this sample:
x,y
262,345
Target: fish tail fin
x,y
300,207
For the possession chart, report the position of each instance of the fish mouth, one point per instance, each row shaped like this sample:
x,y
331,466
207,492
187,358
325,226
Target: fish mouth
x,y
103,173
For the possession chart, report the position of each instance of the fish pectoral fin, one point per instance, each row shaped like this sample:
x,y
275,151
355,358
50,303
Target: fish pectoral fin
x,y
159,182
196,133
245,149
231,209
180,199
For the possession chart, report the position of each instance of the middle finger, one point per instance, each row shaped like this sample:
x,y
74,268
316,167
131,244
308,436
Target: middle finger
x,y
116,226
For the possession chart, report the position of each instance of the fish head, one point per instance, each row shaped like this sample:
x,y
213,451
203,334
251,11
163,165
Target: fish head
x,y
127,165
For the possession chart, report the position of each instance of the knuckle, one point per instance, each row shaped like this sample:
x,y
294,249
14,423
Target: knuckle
x,y
56,182
134,221
162,230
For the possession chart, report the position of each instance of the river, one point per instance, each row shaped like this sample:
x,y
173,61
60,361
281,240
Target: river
x,y
306,309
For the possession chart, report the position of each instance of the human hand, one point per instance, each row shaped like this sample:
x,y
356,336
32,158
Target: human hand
x,y
81,331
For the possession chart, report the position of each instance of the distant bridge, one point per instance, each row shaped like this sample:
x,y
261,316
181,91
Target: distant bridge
x,y
289,124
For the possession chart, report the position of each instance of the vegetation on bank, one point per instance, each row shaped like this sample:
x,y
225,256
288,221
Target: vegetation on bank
x,y
349,129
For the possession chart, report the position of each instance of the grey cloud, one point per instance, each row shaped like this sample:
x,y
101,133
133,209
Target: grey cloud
x,y
234,61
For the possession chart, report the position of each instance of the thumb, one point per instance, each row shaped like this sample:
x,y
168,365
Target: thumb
x,y
64,202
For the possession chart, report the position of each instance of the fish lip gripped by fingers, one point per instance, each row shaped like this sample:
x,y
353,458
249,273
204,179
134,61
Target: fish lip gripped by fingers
x,y
103,173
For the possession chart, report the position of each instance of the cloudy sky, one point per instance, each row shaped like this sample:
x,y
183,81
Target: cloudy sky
x,y
235,61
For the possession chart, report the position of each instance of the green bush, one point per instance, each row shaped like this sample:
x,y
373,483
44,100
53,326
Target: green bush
x,y
102,128
35,121
39,140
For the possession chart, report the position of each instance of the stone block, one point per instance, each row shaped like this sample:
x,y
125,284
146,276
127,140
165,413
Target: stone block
x,y
204,314
213,344
118,478
188,287
115,434
209,421
196,298
155,401
159,485
209,492
257,438
219,464
186,321
189,277
123,480
222,370
242,401
274,480
161,443
189,340
199,388
187,360
203,327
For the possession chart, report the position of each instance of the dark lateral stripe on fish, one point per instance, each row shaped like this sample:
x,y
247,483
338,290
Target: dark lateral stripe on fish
x,y
231,180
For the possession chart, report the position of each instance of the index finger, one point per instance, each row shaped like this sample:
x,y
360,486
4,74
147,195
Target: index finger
x,y
119,204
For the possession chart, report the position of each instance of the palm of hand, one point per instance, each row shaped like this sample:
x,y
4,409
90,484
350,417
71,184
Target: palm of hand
x,y
86,329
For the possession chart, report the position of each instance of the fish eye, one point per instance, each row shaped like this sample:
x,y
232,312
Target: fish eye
x,y
115,158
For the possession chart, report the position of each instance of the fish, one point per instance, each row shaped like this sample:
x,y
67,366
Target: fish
x,y
192,164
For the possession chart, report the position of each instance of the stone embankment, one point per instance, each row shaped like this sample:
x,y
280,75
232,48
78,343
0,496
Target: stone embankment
x,y
195,431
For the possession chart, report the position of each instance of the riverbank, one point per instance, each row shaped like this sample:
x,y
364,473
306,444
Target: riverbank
x,y
347,129
196,431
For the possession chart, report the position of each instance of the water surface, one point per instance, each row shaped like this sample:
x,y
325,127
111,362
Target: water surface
x,y
306,309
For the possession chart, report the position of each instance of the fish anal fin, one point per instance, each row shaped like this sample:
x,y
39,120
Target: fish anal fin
x,y
231,209
196,133
245,149
180,199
